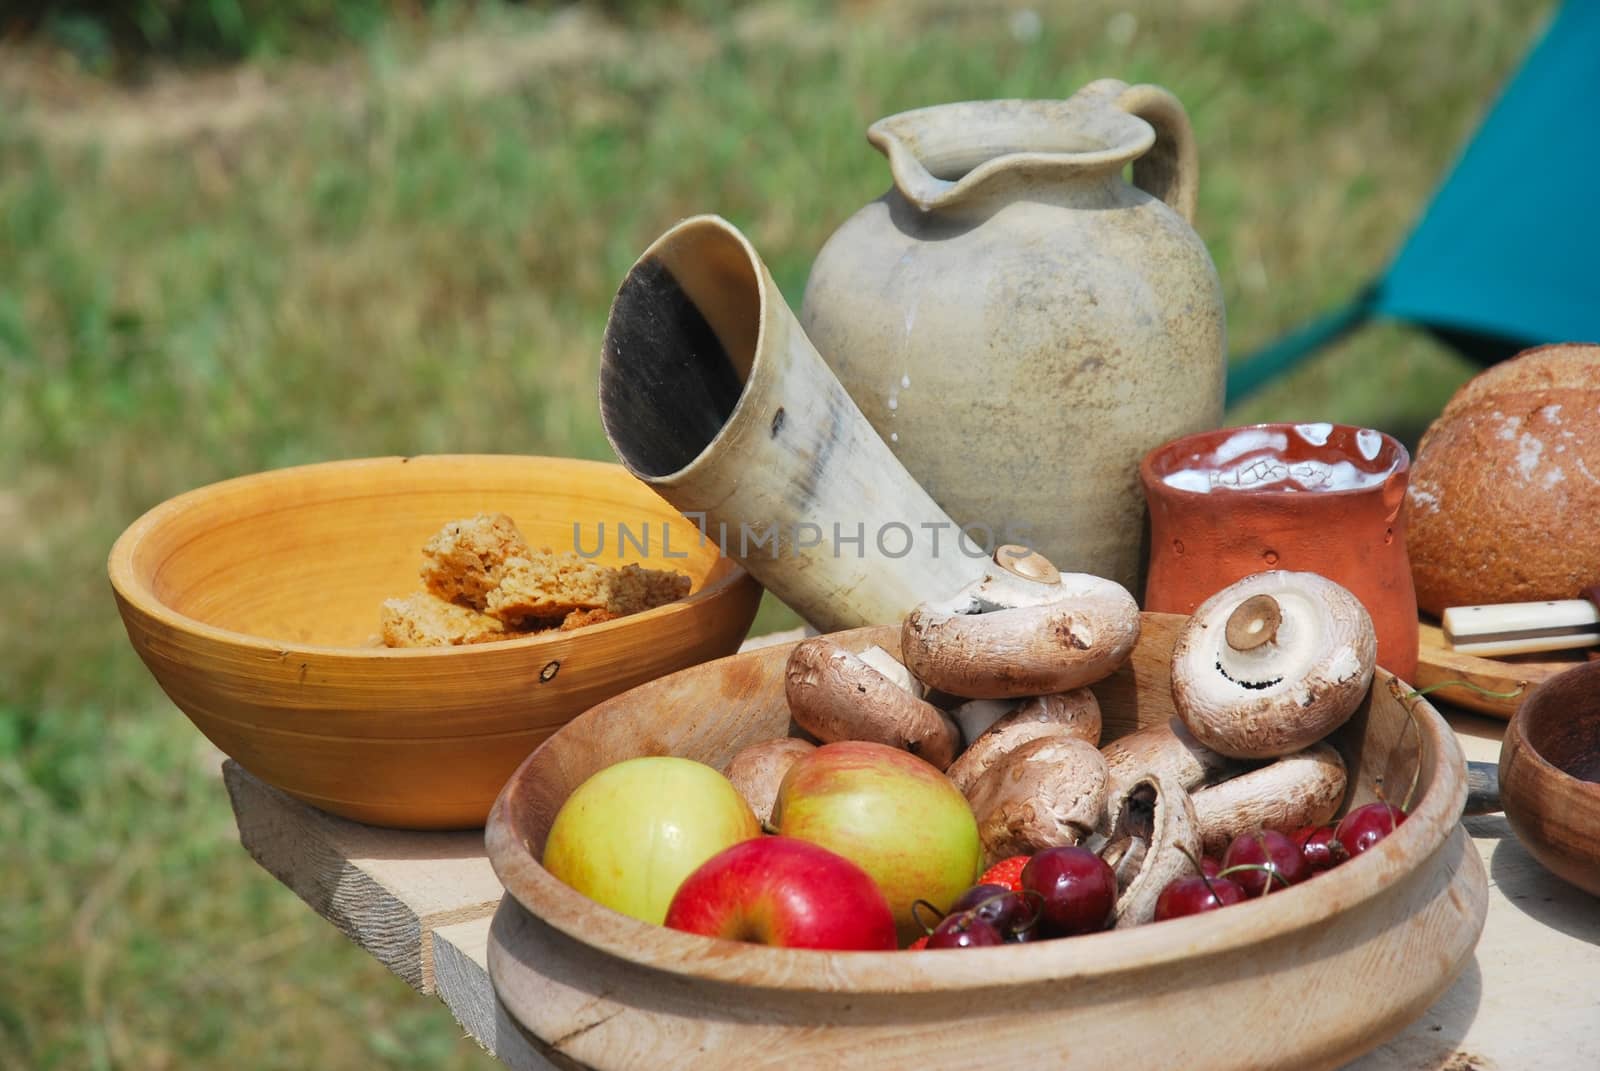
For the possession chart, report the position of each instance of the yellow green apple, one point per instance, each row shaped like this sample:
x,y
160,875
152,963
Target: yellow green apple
x,y
628,835
892,814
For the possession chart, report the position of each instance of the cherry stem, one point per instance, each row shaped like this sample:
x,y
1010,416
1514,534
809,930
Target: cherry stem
x,y
1411,711
1411,722
1469,686
1034,898
917,918
1264,868
1201,870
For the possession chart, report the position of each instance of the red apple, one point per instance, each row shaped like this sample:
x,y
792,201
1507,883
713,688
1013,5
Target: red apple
x,y
786,892
890,813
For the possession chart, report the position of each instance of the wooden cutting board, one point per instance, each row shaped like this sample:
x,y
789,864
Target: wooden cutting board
x,y
1436,662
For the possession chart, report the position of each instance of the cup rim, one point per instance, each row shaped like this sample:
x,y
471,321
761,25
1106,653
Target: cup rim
x,y
1154,481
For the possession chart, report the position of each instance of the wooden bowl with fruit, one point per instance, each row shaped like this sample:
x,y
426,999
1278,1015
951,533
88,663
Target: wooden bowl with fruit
x,y
1319,963
264,605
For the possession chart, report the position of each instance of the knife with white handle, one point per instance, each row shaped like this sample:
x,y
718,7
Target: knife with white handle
x,y
1524,627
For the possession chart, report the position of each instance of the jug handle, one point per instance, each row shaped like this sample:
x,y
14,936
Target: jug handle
x,y
1170,169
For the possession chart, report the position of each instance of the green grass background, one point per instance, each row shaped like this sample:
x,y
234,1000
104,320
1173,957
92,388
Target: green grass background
x,y
371,269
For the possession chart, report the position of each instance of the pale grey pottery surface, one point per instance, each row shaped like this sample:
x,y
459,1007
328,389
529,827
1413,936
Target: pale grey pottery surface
x,y
1019,323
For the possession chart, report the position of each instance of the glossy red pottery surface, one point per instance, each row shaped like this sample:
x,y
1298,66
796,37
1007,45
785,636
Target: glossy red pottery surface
x,y
1319,498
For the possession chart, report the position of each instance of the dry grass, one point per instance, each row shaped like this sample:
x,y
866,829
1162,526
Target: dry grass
x,y
374,269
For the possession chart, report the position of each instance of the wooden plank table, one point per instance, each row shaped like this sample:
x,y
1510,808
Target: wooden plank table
x,y
422,902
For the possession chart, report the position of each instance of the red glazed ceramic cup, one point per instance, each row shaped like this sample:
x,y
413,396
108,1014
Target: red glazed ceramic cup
x,y
1318,498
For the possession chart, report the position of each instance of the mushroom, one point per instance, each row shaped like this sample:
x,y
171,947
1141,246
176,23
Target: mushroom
x,y
1023,629
1075,713
1152,839
893,669
1272,663
1169,751
757,771
1304,789
835,694
1048,792
975,716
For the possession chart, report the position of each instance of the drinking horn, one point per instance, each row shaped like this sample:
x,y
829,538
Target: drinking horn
x,y
712,395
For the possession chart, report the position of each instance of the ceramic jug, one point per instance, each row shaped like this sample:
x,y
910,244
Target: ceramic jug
x,y
1020,323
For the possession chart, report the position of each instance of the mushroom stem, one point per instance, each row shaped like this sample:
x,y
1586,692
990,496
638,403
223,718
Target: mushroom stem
x,y
892,669
1026,563
1273,663
976,716
1254,623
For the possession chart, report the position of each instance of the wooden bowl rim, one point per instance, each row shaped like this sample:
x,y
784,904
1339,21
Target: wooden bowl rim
x,y
1516,734
1425,831
135,593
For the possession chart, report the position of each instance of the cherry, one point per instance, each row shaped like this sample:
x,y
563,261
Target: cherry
x,y
1210,867
1196,893
976,895
964,930
1367,825
1008,912
1277,855
1075,889
1320,847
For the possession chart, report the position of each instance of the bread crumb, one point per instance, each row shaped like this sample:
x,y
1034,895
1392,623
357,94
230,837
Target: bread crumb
x,y
425,620
546,584
484,583
579,618
463,562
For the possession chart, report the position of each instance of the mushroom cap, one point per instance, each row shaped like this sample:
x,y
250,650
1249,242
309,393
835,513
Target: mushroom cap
x,y
1254,688
1169,751
1006,635
1075,713
757,771
1303,789
834,695
1049,791
1153,838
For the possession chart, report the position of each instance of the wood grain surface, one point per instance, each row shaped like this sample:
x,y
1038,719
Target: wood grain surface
x,y
386,890
1437,663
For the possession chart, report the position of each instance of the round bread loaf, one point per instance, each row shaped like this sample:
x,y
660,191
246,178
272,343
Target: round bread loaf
x,y
1504,500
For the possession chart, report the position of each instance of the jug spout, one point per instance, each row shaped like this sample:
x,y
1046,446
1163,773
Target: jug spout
x,y
949,155
712,395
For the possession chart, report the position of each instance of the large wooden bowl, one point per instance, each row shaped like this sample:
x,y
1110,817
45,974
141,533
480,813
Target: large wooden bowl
x,y
255,603
1306,978
1550,775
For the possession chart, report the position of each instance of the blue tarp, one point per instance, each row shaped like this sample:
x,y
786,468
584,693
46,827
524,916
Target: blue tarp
x,y
1509,247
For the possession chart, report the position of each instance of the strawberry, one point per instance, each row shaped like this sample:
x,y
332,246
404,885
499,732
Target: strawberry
x,y
1007,873
919,943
